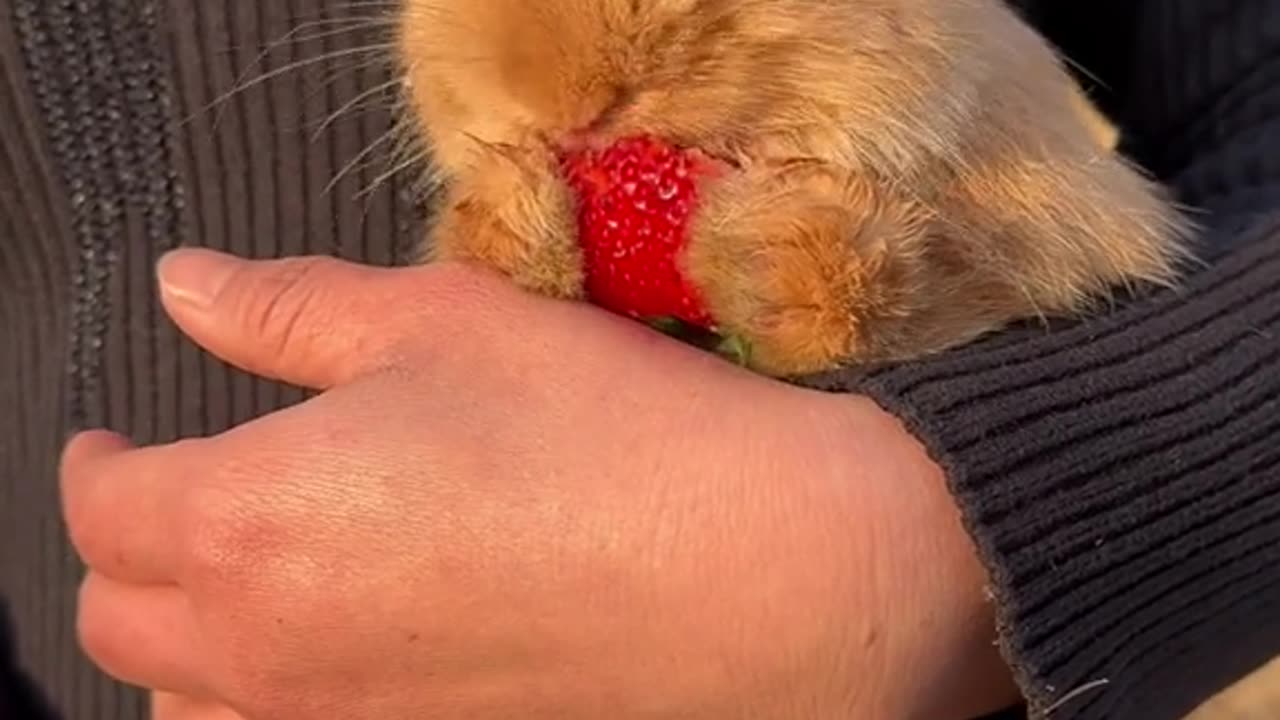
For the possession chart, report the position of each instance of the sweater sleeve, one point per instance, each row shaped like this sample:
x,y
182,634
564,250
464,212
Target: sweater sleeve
x,y
1121,476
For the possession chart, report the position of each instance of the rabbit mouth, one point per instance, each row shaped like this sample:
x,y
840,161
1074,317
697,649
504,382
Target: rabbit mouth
x,y
596,139
721,164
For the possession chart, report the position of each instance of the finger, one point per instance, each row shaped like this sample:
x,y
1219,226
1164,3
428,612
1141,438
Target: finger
x,y
143,636
121,503
167,706
314,321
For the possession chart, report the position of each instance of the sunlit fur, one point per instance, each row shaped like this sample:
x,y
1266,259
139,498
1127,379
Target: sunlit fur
x,y
914,173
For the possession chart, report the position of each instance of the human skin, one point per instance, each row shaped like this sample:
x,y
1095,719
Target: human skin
x,y
507,506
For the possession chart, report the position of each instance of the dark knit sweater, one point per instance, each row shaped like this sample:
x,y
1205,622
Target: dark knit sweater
x,y
1121,476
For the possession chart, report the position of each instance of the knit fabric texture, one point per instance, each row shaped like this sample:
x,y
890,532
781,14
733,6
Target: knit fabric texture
x,y
1121,476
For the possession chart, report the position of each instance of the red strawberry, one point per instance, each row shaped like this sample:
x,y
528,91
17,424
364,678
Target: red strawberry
x,y
635,199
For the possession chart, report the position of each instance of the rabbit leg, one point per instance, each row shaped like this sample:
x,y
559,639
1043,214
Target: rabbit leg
x,y
512,212
788,260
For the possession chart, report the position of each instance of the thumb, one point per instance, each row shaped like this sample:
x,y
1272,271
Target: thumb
x,y
315,321
173,707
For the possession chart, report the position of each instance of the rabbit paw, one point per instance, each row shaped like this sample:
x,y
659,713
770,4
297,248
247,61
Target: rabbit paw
x,y
512,212
787,260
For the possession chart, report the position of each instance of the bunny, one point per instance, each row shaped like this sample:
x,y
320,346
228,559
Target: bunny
x,y
908,175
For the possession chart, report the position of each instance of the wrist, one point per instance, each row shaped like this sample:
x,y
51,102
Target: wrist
x,y
942,656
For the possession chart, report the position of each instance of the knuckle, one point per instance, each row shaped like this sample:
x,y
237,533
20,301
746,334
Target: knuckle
x,y
223,537
86,526
83,530
90,629
95,629
274,310
81,484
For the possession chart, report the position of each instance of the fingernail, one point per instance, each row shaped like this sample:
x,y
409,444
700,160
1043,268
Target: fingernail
x,y
194,276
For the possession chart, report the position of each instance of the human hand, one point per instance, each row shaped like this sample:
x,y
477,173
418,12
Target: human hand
x,y
167,706
507,506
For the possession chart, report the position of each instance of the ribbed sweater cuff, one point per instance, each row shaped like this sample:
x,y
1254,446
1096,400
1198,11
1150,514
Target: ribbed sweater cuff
x,y
1122,481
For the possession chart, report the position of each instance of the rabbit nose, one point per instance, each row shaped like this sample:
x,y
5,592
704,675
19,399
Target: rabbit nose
x,y
576,141
596,131
622,99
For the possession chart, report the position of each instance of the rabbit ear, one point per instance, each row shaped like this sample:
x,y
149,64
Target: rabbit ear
x,y
1100,127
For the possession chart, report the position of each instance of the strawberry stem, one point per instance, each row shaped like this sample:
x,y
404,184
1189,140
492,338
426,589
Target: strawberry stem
x,y
668,325
735,348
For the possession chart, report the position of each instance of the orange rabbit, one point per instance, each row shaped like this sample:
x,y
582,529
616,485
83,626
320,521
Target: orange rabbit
x,y
910,174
